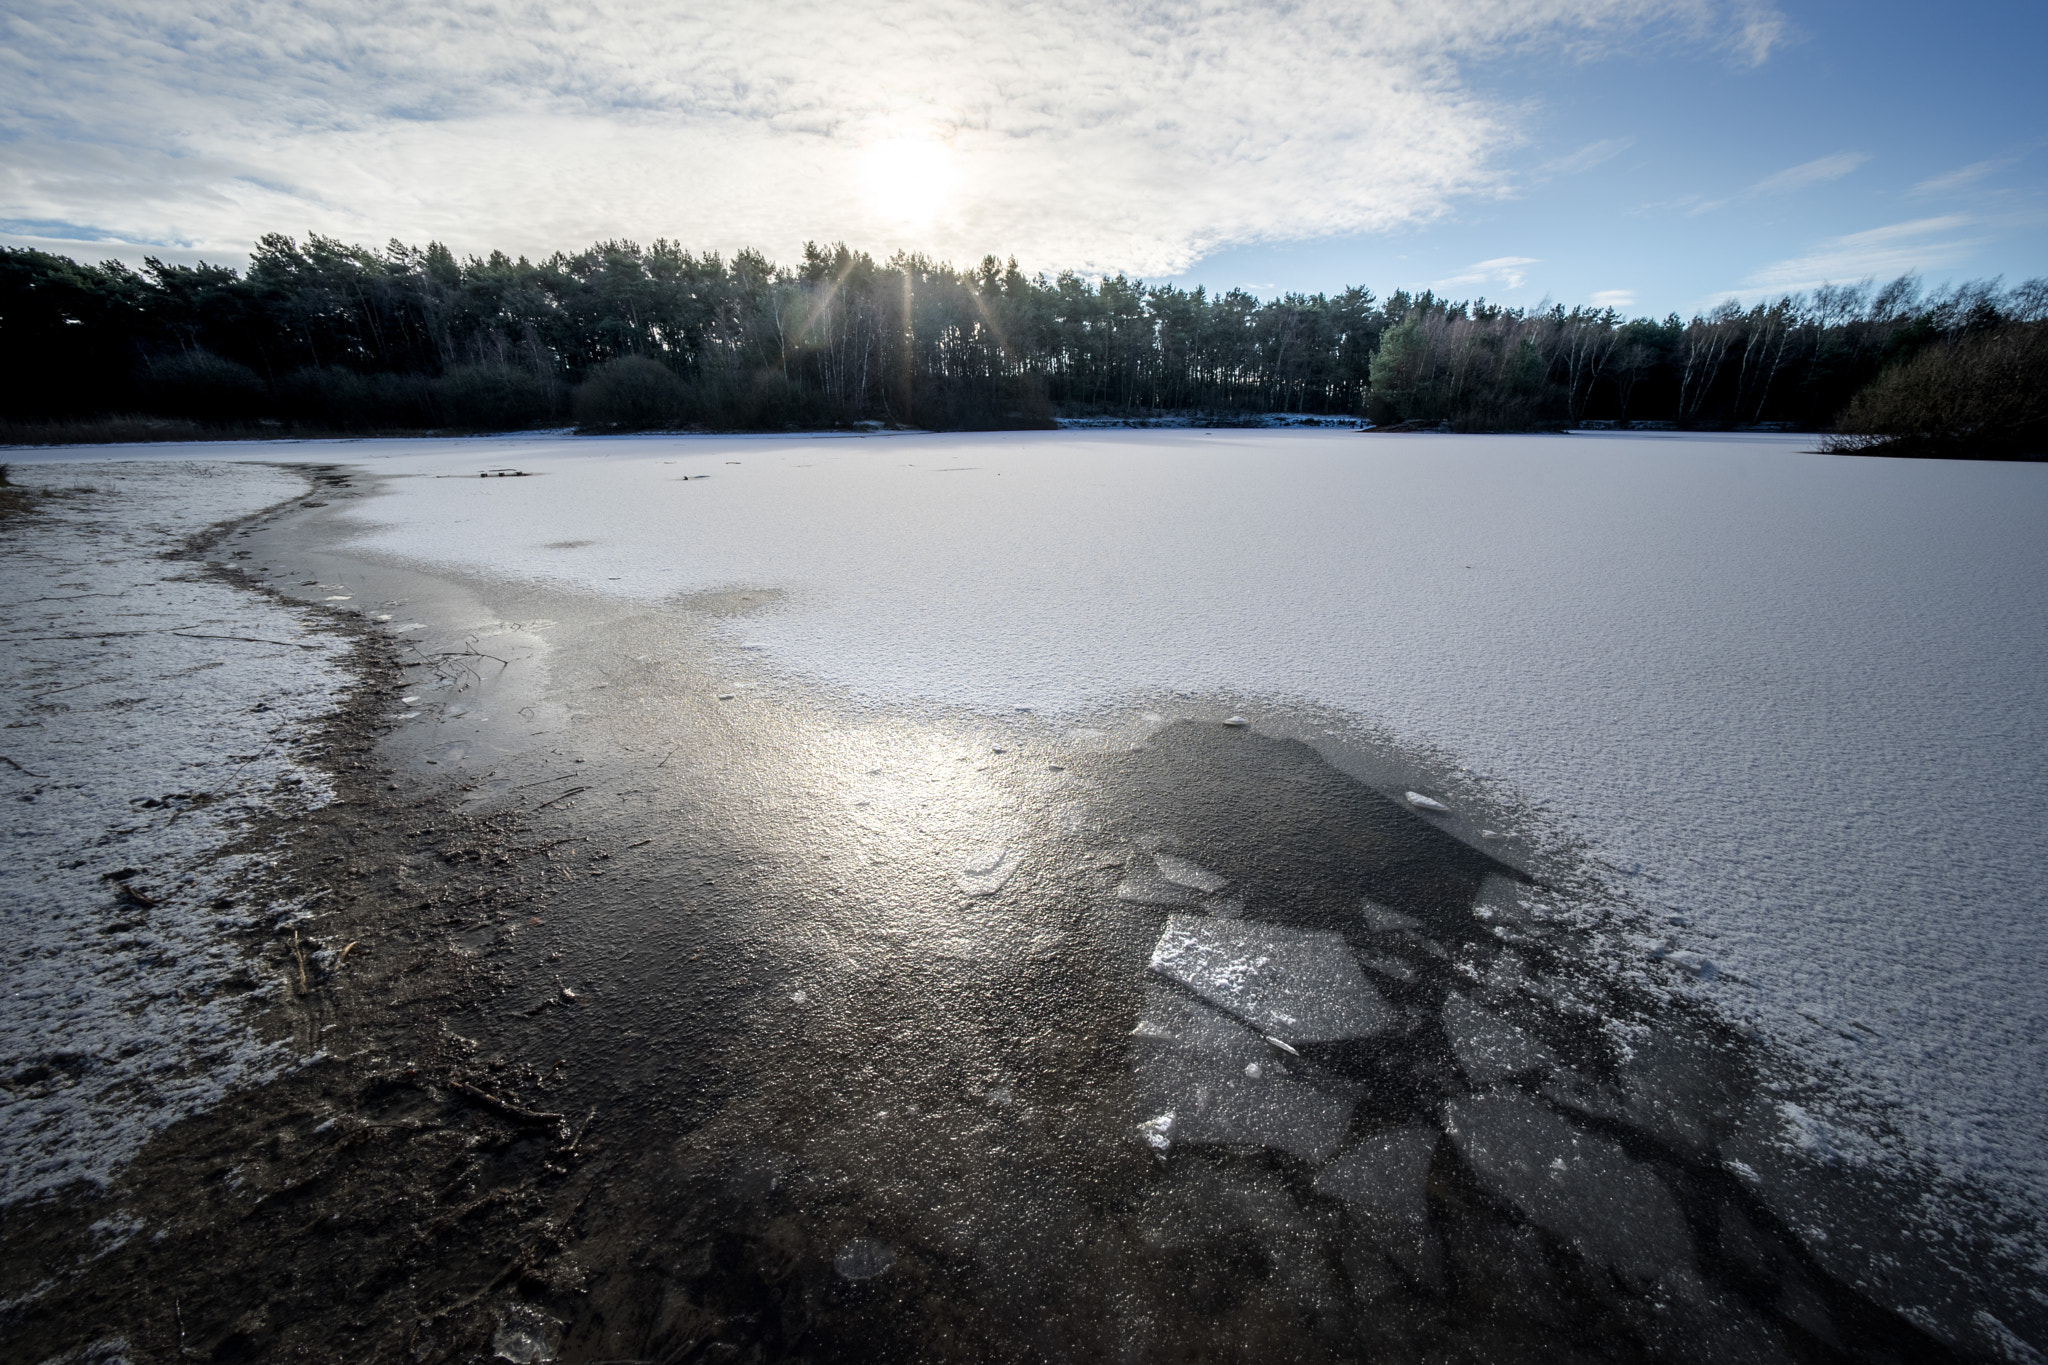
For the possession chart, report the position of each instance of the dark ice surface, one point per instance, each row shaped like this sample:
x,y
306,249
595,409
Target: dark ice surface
x,y
914,1035
1581,1187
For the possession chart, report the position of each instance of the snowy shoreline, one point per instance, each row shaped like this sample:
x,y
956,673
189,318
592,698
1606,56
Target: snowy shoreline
x,y
153,715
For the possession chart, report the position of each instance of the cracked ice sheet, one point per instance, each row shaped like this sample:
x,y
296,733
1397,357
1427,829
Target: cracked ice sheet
x,y
1298,984
106,1038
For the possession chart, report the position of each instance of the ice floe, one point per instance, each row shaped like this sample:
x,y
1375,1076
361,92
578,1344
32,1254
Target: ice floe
x,y
1182,872
1298,984
863,1258
1583,1188
1385,1173
988,871
1384,920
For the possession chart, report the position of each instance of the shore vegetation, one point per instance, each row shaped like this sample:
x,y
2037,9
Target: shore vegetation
x,y
321,337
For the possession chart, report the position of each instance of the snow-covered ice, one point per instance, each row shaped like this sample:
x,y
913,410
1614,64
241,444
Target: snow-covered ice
x,y
149,716
1799,698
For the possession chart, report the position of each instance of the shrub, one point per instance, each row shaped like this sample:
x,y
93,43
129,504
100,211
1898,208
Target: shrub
x,y
1981,396
203,387
346,401
632,393
1009,403
494,397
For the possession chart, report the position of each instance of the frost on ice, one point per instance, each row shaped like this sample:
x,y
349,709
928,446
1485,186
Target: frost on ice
x,y
1488,1047
140,736
1384,1174
1297,984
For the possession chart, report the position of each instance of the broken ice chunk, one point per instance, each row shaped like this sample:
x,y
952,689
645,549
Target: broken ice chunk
x,y
1157,1133
1145,884
1390,966
1184,873
1581,1187
1384,920
1488,1047
1384,1174
526,1336
863,1258
1428,803
1170,1017
1500,899
1212,1106
1237,722
1300,985
987,872
1214,1079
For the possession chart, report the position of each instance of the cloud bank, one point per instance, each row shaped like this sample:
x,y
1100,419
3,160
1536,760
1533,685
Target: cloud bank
x,y
1098,136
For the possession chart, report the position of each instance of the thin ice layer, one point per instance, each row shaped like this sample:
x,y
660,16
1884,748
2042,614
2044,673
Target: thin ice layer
x,y
1297,984
1385,1173
1583,1188
1189,874
1488,1047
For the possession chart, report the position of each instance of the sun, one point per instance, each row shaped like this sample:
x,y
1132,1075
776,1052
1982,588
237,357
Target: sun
x,y
908,179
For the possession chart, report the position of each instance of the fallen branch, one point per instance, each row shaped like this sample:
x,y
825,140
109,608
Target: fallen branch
x,y
247,640
583,1128
491,1102
563,797
300,953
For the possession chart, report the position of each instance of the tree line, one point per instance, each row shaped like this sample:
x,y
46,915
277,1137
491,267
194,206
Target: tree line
x,y
325,335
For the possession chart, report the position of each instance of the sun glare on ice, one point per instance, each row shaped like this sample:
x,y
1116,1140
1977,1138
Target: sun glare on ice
x,y
908,178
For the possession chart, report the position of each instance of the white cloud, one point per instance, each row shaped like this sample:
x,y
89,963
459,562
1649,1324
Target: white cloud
x,y
1818,171
1502,270
1959,179
1587,157
1923,245
1762,29
1119,135
1614,298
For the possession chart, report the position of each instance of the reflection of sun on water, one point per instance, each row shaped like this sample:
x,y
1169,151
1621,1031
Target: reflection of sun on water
x,y
908,178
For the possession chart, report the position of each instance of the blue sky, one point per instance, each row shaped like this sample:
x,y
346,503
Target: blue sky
x,y
1915,138
1657,154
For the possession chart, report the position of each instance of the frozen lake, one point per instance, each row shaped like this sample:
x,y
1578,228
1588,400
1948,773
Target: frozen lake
x,y
1804,694
1787,708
